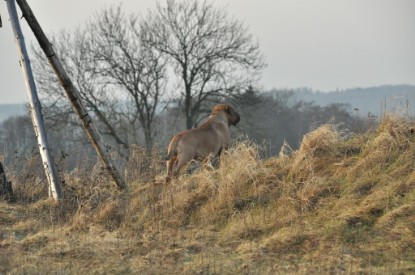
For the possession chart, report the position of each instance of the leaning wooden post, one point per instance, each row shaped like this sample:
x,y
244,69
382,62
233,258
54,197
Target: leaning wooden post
x,y
55,189
72,93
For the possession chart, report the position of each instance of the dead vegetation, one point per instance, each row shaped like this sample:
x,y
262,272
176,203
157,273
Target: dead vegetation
x,y
341,203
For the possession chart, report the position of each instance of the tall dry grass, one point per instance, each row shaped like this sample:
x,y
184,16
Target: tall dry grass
x,y
341,203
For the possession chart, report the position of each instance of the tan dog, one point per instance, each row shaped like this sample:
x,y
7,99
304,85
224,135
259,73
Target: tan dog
x,y
210,138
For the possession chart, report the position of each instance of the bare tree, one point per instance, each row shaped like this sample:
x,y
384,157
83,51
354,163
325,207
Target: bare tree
x,y
119,79
129,65
211,53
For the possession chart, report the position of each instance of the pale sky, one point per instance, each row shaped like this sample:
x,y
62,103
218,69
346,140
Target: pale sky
x,y
321,44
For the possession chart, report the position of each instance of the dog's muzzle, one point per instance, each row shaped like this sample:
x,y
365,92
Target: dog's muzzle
x,y
234,118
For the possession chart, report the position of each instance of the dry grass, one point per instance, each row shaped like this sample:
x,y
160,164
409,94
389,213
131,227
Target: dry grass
x,y
340,204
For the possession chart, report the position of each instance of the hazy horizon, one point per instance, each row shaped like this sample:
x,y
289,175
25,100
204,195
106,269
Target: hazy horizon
x,y
371,99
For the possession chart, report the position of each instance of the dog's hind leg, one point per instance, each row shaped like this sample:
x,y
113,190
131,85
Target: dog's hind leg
x,y
171,163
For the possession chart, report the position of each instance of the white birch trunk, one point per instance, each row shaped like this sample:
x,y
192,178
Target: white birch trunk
x,y
55,189
72,94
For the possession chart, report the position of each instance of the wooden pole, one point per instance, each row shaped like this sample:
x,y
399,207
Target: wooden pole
x,y
72,94
55,189
6,189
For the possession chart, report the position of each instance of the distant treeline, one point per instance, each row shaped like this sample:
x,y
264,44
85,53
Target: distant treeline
x,y
398,98
374,100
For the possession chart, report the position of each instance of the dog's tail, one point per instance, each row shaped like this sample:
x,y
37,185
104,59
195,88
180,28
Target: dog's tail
x,y
171,151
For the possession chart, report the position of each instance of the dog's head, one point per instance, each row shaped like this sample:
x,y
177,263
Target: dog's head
x,y
231,115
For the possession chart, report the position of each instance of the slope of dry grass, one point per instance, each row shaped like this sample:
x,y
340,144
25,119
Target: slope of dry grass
x,y
340,203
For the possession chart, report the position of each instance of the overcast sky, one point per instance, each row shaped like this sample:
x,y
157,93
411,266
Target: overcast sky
x,y
321,44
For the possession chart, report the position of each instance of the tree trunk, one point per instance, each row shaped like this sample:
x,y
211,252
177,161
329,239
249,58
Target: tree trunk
x,y
149,142
188,107
55,189
72,94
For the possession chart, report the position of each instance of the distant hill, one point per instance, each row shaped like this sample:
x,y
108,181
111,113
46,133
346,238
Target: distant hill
x,y
398,98
8,110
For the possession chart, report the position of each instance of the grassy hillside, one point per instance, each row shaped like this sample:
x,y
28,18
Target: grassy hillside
x,y
341,203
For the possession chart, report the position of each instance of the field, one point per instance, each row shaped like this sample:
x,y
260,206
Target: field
x,y
341,203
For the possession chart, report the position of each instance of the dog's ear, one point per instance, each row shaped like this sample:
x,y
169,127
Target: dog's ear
x,y
228,109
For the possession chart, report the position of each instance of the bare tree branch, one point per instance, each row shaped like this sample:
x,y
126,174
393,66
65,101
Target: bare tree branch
x,y
212,54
